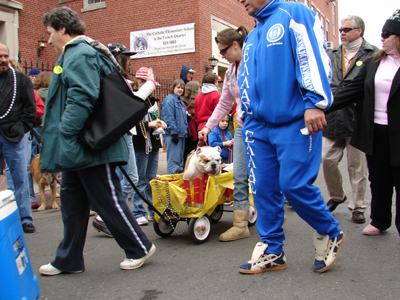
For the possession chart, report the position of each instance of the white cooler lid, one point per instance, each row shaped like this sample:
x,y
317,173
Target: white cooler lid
x,y
6,197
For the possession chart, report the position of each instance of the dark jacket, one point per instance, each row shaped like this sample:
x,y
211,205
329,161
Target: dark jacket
x,y
341,123
20,119
363,87
185,69
73,91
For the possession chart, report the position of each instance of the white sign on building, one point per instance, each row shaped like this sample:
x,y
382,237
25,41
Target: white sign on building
x,y
163,41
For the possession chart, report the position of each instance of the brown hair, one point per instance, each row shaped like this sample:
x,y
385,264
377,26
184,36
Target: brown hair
x,y
42,80
123,61
191,92
382,54
210,78
176,83
230,35
16,65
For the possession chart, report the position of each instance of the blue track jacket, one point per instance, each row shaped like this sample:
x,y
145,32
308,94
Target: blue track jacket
x,y
285,68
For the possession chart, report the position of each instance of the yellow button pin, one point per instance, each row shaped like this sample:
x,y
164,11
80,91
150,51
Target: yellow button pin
x,y
57,69
359,63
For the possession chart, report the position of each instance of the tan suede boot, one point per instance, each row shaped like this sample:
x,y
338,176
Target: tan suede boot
x,y
240,230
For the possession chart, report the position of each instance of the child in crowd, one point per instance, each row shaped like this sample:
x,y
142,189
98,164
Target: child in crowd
x,y
221,136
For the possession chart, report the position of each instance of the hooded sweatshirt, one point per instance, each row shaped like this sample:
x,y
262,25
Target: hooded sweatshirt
x,y
185,69
218,136
285,68
205,103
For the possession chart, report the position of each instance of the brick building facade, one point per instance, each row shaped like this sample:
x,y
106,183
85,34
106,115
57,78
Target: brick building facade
x,y
112,21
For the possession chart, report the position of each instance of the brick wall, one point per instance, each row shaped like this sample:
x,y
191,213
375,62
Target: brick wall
x,y
119,18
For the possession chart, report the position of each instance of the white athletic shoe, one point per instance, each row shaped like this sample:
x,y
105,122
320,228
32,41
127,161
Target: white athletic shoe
x,y
142,221
131,264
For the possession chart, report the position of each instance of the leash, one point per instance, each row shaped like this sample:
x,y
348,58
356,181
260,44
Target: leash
x,y
139,193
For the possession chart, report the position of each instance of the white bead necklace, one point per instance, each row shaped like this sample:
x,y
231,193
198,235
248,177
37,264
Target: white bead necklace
x,y
13,98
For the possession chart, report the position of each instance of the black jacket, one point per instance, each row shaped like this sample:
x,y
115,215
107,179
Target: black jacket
x,y
20,119
341,122
363,87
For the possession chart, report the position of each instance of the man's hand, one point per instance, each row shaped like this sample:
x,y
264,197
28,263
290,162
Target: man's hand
x,y
314,120
203,134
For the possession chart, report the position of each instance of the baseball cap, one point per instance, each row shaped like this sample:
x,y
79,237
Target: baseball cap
x,y
142,74
34,71
219,79
117,48
192,71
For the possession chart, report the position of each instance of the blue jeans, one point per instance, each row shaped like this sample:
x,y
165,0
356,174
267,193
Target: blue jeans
x,y
131,169
9,180
240,177
15,156
174,154
147,165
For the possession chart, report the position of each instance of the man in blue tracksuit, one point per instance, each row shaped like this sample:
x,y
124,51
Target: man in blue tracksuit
x,y
285,88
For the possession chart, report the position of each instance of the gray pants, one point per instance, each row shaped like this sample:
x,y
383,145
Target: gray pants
x,y
332,154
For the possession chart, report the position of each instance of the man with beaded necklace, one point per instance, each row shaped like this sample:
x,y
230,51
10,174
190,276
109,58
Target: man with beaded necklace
x,y
17,113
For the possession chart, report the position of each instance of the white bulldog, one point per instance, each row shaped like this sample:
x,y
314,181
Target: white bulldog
x,y
205,160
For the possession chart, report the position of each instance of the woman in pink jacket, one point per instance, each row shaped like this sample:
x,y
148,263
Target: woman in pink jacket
x,y
230,43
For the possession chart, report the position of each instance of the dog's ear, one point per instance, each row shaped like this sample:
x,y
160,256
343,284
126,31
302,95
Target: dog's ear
x,y
198,151
219,149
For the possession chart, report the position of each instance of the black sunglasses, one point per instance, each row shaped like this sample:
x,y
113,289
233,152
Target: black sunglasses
x,y
347,29
223,50
385,34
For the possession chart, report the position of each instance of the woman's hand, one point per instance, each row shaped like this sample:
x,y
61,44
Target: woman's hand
x,y
156,124
203,134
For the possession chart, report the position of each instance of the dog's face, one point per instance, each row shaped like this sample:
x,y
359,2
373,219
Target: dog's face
x,y
208,159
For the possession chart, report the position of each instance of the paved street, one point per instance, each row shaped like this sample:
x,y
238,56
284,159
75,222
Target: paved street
x,y
367,267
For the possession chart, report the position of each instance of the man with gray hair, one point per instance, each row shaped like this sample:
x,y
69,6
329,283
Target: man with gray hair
x,y
347,60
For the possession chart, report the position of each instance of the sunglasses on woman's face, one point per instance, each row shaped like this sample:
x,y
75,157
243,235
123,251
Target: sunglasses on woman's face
x,y
223,50
346,29
385,34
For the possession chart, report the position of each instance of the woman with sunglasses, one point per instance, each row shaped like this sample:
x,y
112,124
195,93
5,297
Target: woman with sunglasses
x,y
230,43
377,131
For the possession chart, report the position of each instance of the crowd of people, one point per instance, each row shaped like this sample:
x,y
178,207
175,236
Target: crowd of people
x,y
289,119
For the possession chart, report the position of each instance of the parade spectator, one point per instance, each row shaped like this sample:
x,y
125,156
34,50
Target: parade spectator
x,y
378,125
33,73
283,103
122,55
230,42
147,143
221,137
18,106
30,142
207,100
347,60
87,179
173,113
192,89
187,74
41,84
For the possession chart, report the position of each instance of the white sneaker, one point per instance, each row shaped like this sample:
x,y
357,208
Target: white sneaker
x,y
150,217
49,270
131,264
142,221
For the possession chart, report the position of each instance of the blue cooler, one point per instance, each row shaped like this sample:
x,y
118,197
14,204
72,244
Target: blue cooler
x,y
16,275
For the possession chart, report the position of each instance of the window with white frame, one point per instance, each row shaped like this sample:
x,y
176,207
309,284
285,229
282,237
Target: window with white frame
x,y
333,19
306,2
327,30
93,4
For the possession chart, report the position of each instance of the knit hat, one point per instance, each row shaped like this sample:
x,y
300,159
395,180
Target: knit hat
x,y
34,71
142,74
117,48
393,23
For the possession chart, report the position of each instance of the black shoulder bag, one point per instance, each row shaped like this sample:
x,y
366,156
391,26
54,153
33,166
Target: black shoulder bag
x,y
115,112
